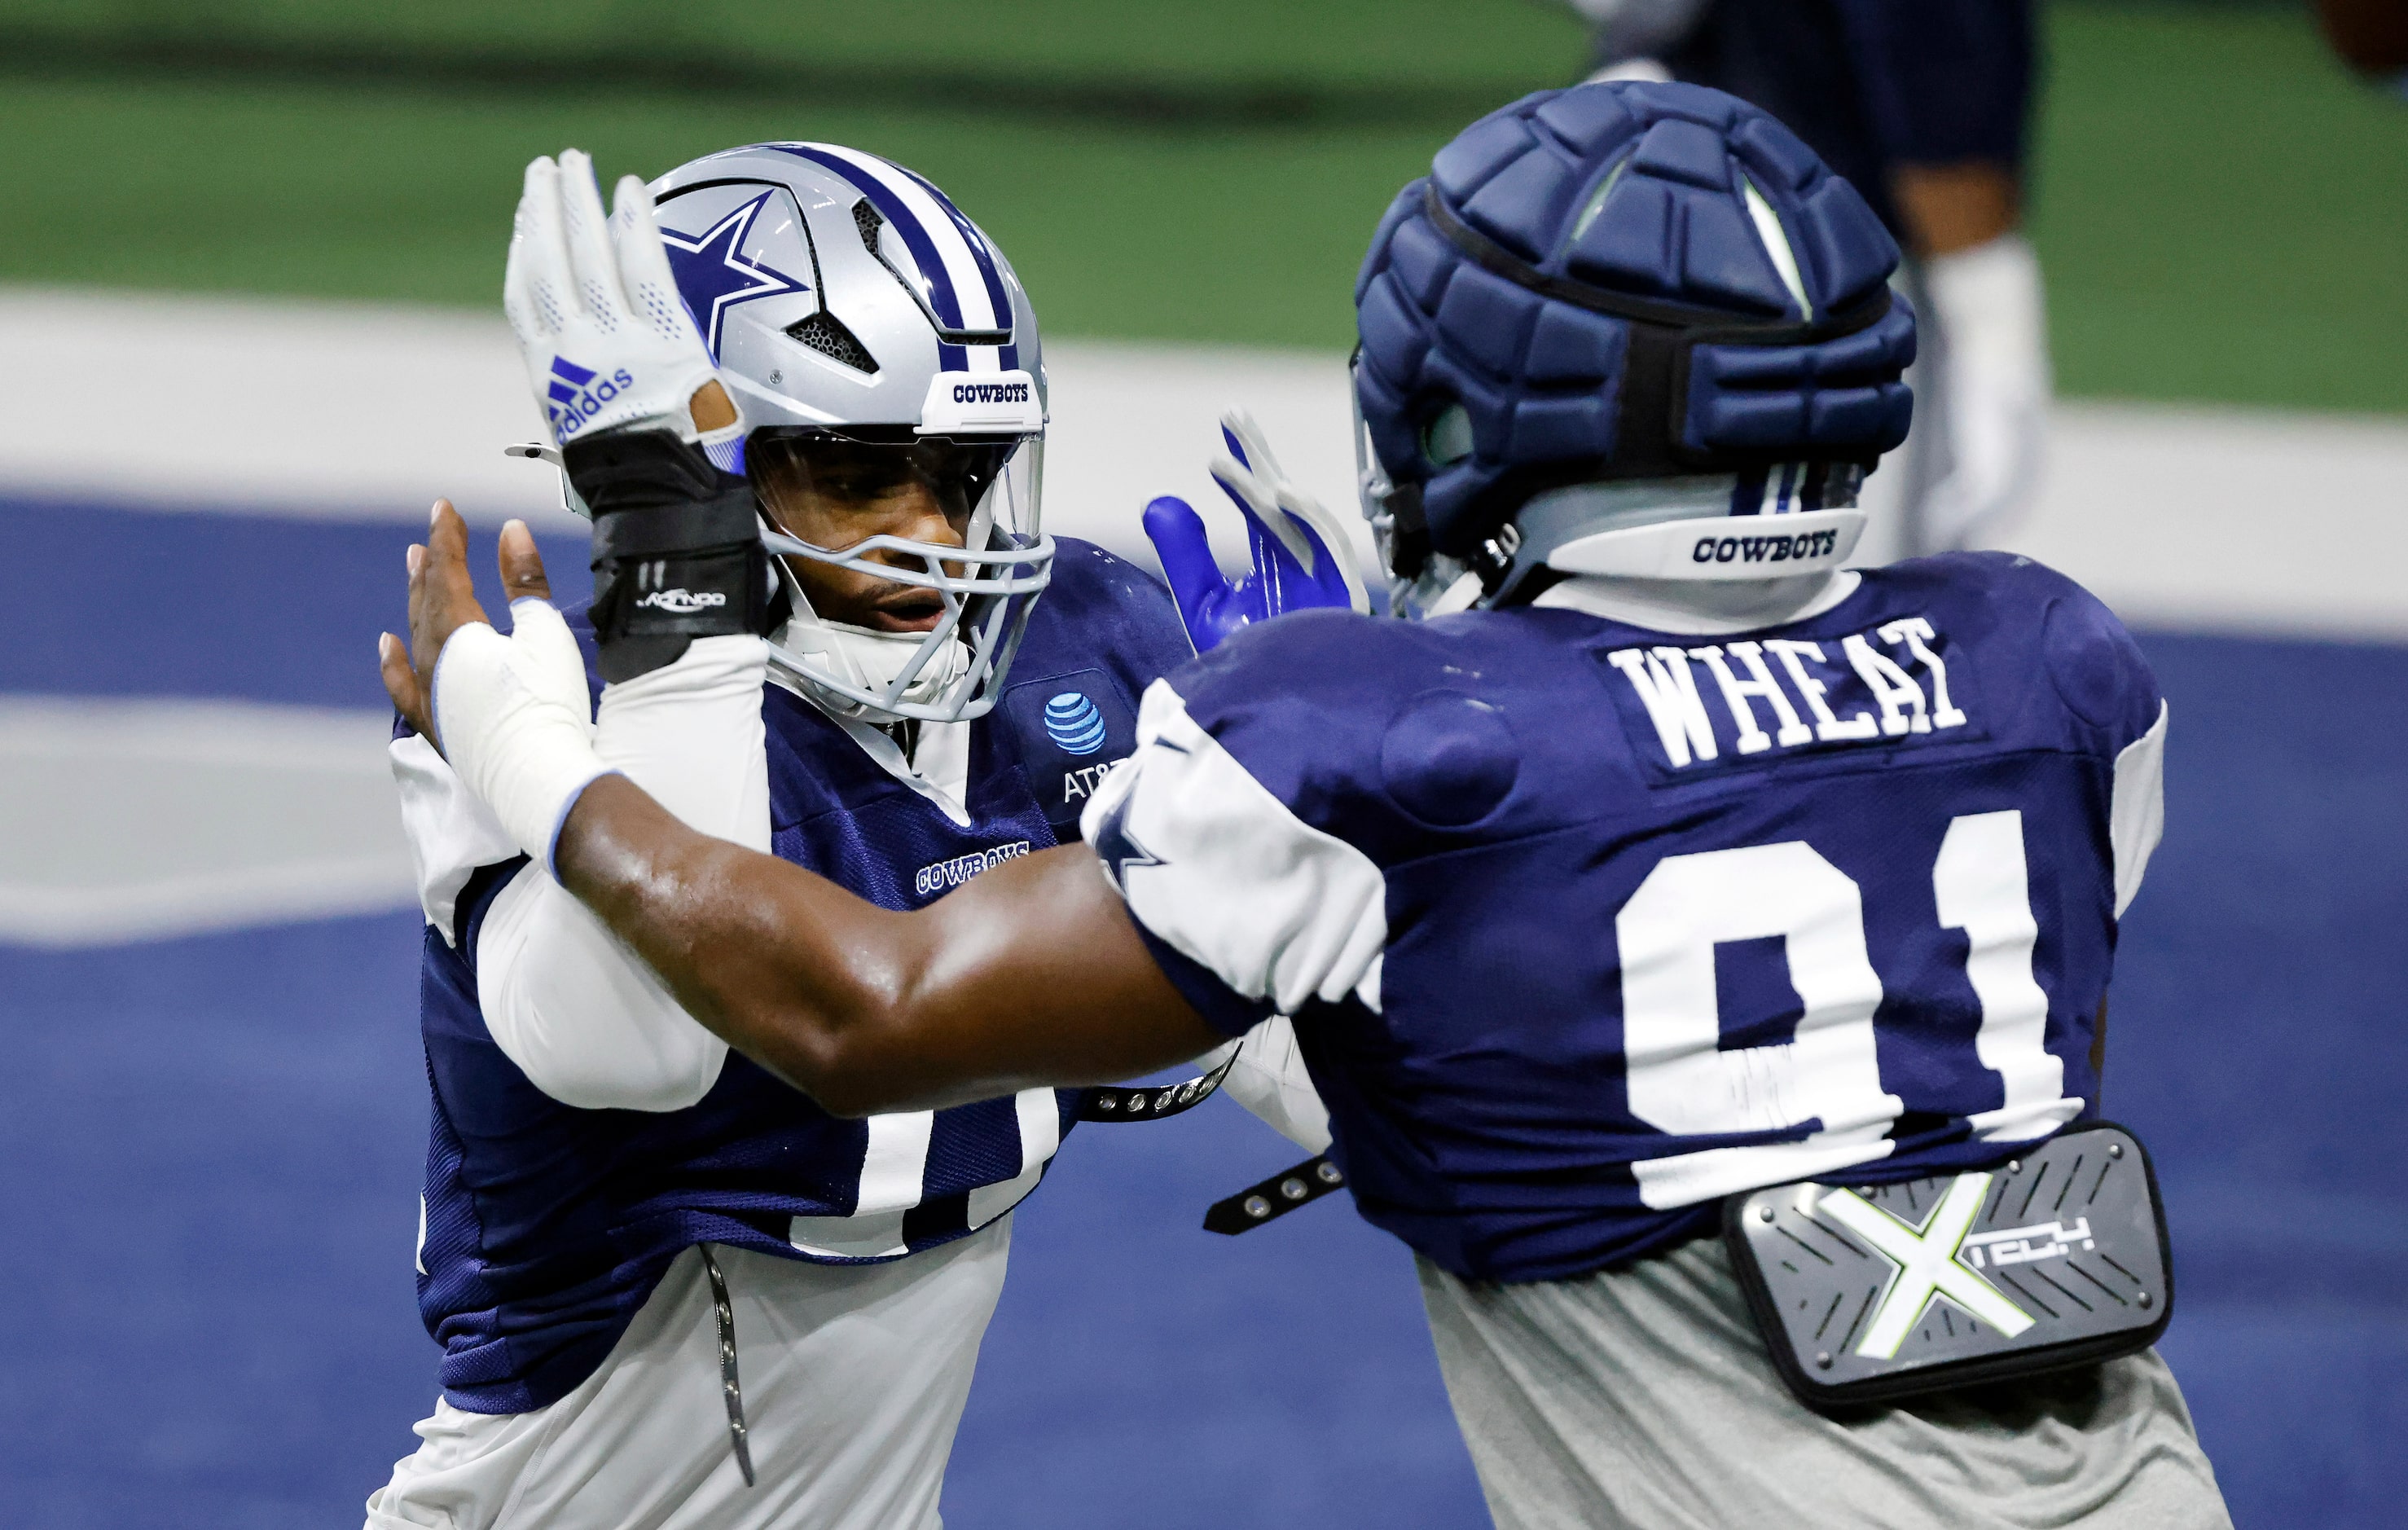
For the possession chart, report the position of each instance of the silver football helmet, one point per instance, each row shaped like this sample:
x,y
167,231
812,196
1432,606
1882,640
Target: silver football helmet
x,y
844,296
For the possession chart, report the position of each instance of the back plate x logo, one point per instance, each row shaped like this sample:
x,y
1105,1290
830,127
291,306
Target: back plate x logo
x,y
1927,1264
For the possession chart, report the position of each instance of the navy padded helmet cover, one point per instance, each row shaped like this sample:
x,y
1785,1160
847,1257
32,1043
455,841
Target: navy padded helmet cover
x,y
1635,189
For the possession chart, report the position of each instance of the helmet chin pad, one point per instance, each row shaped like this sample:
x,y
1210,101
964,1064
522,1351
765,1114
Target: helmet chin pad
x,y
839,664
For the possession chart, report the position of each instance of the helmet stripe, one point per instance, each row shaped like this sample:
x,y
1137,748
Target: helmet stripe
x,y
968,268
958,286
981,253
906,223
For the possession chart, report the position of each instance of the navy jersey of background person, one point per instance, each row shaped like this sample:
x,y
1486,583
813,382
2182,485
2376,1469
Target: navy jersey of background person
x,y
1872,847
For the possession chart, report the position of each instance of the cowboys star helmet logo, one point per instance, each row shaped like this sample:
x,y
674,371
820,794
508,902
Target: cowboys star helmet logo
x,y
713,267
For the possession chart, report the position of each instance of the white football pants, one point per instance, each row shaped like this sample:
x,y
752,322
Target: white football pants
x,y
854,1377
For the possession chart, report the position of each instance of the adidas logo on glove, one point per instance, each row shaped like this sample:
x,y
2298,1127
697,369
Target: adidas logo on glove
x,y
578,395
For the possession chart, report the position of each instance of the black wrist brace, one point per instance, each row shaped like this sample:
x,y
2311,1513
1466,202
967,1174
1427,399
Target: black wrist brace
x,y
677,549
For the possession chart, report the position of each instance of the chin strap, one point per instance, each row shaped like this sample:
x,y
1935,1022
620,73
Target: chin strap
x,y
1114,1102
1273,1197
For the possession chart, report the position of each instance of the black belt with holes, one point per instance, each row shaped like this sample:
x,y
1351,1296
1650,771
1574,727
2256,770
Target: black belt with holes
x,y
1114,1103
1865,1295
1249,1208
1274,1198
731,1388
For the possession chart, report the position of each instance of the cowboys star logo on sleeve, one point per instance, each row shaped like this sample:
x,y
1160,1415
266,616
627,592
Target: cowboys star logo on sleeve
x,y
1117,848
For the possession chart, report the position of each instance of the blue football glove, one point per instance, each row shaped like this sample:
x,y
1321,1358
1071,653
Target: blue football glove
x,y
1300,554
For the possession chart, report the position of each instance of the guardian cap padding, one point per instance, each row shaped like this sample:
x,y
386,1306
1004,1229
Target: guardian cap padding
x,y
1622,281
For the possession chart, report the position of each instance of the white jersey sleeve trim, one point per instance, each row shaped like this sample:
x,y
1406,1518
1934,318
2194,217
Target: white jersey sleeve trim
x,y
1227,877
2135,814
1268,1078
450,830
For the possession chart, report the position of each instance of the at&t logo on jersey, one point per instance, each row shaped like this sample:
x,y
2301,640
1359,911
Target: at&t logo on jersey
x,y
1076,726
578,393
1082,782
1889,683
1074,723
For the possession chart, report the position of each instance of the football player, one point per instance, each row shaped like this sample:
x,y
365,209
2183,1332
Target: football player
x,y
1926,106
1656,857
670,1289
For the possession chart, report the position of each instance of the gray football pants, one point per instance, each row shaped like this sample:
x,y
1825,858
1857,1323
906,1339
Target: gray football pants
x,y
854,1378
1645,1398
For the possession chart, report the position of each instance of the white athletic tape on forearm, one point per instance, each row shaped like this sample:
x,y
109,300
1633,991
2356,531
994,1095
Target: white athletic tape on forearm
x,y
510,715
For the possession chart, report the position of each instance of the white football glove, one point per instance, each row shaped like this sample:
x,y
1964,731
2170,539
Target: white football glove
x,y
1995,390
608,340
1252,475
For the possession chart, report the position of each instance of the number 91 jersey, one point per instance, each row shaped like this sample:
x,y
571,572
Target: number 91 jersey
x,y
1585,926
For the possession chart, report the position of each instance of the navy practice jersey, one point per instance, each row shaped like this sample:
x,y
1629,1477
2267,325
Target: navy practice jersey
x,y
1585,926
547,1225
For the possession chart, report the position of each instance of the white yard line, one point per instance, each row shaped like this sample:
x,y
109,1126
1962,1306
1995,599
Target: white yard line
x,y
141,820
2200,518
2241,520
2229,520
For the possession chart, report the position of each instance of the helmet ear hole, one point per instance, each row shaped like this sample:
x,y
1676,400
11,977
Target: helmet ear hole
x,y
1447,438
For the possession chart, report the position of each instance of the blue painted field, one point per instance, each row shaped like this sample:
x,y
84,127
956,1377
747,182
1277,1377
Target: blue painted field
x,y
213,1144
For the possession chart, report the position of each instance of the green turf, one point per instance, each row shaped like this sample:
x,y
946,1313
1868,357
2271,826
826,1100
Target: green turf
x,y
2220,207
1223,236
2223,212
1492,43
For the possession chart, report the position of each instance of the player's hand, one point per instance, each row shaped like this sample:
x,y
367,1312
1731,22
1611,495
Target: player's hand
x,y
608,343
511,714
442,600
1300,548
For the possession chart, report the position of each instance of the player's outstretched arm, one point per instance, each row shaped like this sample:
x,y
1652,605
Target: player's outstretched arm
x,y
1032,974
